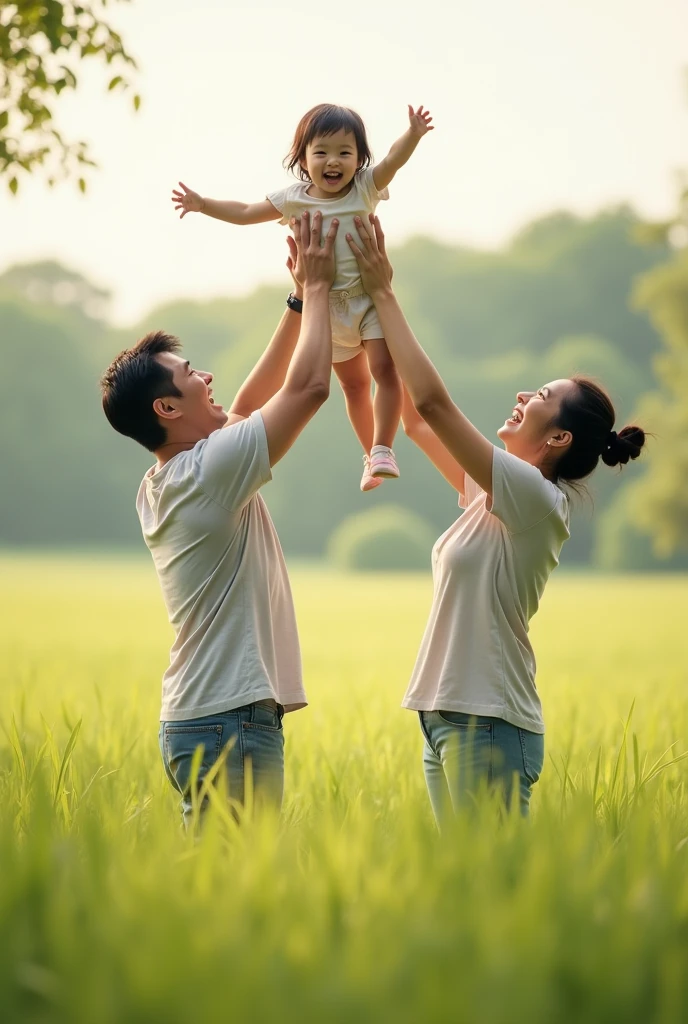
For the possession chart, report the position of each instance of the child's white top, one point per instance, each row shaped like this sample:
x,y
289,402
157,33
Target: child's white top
x,y
361,199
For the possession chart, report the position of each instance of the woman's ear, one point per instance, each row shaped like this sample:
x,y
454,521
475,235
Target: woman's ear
x,y
561,440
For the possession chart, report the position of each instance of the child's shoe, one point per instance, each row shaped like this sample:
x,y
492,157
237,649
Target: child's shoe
x,y
368,481
382,463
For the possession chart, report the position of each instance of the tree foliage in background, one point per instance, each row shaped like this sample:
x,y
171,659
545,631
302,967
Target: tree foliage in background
x,y
660,498
41,45
68,477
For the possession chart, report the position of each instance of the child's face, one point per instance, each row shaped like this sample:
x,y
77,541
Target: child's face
x,y
332,161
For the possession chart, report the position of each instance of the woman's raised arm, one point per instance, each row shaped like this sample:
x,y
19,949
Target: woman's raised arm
x,y
464,442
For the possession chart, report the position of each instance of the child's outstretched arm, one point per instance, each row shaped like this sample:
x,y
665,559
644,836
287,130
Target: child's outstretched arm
x,y
403,148
189,201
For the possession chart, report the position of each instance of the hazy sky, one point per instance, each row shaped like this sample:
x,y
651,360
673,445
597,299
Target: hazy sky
x,y
537,104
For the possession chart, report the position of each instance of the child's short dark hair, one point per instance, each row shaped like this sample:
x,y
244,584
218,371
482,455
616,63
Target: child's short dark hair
x,y
132,382
326,119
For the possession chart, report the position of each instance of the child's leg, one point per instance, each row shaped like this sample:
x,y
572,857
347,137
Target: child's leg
x,y
388,392
354,378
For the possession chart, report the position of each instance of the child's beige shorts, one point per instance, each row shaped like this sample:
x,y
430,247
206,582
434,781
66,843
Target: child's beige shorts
x,y
354,320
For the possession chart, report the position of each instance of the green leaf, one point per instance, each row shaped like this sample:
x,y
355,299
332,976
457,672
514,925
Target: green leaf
x,y
137,102
14,185
114,82
82,184
4,118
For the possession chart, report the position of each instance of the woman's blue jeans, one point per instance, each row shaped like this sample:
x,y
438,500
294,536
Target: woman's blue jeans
x,y
463,753
249,739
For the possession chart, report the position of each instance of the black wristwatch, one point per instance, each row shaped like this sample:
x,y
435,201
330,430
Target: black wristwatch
x,y
294,303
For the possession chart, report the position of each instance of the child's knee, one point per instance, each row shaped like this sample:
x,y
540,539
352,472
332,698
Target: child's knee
x,y
355,384
383,369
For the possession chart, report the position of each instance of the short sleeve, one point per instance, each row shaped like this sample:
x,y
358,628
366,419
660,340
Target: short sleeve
x,y
285,200
235,463
521,495
366,185
471,490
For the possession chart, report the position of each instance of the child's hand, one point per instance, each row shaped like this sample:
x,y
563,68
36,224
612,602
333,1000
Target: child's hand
x,y
186,201
419,121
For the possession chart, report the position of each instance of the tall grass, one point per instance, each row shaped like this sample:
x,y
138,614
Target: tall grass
x,y
349,908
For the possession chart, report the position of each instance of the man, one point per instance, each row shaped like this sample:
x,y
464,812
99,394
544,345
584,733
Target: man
x,y
235,665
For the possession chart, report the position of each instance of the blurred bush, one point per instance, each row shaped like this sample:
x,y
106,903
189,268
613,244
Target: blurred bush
x,y
387,537
621,543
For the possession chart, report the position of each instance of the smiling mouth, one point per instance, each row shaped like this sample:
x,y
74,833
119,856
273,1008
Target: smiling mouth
x,y
516,417
333,177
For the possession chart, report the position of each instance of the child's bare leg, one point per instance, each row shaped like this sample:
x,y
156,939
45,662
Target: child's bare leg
x,y
388,392
354,378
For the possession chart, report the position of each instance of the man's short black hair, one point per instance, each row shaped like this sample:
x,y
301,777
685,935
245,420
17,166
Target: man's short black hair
x,y
132,382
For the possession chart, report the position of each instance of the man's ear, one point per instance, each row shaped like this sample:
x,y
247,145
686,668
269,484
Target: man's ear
x,y
165,410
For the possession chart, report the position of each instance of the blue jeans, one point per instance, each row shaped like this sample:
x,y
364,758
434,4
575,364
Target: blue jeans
x,y
463,752
249,738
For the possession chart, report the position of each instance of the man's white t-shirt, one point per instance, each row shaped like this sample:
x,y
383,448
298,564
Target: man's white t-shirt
x,y
489,572
223,577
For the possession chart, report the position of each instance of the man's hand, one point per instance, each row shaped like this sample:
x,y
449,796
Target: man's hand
x,y
186,201
314,262
293,266
371,256
419,121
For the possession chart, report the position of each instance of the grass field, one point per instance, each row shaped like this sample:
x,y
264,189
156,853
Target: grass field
x,y
351,908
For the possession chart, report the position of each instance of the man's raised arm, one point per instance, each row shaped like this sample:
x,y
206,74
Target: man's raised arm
x,y
307,383
269,373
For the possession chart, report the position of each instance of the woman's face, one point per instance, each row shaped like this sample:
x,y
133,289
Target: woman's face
x,y
531,432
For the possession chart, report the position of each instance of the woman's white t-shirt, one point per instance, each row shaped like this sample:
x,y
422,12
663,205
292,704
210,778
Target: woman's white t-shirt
x,y
489,572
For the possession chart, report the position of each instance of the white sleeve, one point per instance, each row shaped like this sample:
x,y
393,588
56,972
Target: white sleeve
x,y
469,492
235,463
366,184
521,495
283,201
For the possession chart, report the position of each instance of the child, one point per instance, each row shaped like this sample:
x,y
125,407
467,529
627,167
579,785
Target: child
x,y
330,155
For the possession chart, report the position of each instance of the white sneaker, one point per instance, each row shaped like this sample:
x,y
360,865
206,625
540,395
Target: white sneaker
x,y
383,463
368,481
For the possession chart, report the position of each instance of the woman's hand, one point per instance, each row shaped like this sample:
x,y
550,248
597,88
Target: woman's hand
x,y
187,201
371,256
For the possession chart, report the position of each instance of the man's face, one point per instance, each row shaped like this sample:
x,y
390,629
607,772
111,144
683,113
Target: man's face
x,y
194,412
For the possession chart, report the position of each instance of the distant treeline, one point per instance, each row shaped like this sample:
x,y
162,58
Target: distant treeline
x,y
554,301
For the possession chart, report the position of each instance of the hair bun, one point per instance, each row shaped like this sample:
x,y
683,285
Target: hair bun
x,y
625,445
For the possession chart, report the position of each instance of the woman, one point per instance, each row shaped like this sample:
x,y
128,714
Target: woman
x,y
474,680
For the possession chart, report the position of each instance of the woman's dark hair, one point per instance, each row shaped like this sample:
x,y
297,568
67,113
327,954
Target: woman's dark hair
x,y
588,413
132,382
326,119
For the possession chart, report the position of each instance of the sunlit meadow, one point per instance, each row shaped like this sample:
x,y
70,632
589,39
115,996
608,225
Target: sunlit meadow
x,y
351,907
